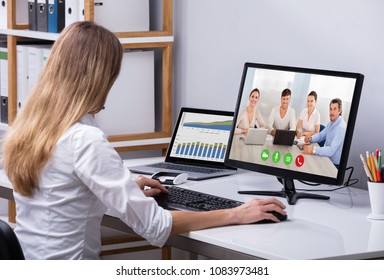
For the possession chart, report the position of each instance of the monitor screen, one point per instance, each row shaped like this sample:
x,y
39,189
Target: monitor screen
x,y
309,116
201,135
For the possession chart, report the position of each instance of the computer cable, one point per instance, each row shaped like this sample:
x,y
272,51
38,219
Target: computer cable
x,y
348,183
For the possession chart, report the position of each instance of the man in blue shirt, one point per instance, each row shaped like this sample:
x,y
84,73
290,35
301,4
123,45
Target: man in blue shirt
x,y
333,134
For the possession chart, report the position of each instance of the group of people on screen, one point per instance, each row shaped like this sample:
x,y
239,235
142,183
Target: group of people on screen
x,y
307,127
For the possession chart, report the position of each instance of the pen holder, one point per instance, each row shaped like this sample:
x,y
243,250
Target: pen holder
x,y
376,197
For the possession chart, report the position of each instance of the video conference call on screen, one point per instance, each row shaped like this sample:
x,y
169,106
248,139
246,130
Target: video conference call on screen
x,y
288,160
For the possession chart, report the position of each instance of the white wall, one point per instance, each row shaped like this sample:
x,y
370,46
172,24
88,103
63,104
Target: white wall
x,y
213,39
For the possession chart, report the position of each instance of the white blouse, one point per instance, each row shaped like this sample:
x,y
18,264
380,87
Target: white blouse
x,y
309,125
243,122
84,177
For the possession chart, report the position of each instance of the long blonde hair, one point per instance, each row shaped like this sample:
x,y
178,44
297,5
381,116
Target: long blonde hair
x,y
83,65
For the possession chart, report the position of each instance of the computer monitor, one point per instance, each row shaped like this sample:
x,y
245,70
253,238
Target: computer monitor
x,y
277,98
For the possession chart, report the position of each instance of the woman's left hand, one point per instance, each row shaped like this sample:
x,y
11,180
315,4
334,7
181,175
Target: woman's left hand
x,y
150,187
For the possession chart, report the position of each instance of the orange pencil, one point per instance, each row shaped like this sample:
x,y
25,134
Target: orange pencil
x,y
376,168
372,167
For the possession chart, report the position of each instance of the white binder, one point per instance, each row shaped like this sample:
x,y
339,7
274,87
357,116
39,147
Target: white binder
x,y
35,64
4,85
3,14
71,11
46,52
30,62
4,71
81,11
22,74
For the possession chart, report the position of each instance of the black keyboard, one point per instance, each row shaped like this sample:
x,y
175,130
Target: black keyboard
x,y
183,199
185,168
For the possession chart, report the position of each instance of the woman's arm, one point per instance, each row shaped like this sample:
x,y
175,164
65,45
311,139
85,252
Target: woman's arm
x,y
250,212
184,221
241,126
259,119
299,133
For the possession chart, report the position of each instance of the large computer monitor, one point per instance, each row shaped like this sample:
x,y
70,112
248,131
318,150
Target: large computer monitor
x,y
275,85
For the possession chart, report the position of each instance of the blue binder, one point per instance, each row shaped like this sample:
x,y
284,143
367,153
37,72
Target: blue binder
x,y
56,16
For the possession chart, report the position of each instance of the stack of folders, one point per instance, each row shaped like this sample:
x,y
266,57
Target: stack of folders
x,y
46,15
30,61
372,165
117,15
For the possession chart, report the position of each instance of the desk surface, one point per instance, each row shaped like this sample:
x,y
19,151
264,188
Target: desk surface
x,y
315,229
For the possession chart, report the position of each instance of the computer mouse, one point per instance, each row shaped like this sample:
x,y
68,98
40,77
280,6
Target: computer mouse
x,y
170,178
180,179
276,214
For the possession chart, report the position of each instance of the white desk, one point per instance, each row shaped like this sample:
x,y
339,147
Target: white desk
x,y
315,229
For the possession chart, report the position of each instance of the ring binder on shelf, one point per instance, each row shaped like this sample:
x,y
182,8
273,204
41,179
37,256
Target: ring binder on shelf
x,y
32,15
42,15
71,11
56,16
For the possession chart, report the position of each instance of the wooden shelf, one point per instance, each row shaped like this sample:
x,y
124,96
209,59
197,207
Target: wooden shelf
x,y
159,39
162,39
140,37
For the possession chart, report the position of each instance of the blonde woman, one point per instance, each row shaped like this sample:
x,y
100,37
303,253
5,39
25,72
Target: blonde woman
x,y
64,172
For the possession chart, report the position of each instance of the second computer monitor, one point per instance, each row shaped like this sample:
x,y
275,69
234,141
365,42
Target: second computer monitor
x,y
303,100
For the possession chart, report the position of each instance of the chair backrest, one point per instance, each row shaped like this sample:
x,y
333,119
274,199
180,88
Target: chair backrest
x,y
10,248
321,144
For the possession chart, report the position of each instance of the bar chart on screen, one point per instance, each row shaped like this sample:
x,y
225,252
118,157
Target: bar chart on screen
x,y
204,150
203,139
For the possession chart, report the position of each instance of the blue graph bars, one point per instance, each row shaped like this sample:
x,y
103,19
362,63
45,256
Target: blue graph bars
x,y
204,150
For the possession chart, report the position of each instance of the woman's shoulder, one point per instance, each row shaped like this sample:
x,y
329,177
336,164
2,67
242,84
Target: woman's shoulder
x,y
87,131
84,132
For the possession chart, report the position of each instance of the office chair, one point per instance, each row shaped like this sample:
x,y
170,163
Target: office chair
x,y
10,248
321,144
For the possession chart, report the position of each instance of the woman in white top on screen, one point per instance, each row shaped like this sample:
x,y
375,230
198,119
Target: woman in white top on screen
x,y
250,117
65,173
309,122
282,116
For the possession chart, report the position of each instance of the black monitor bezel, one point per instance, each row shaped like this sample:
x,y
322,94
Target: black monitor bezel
x,y
290,174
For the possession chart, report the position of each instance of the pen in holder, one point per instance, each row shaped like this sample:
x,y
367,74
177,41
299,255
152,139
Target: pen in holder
x,y
376,197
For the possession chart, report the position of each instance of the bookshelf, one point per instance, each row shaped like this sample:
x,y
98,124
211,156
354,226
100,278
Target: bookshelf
x,y
154,39
161,40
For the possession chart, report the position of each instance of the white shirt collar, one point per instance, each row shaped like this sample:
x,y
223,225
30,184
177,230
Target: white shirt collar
x,y
88,119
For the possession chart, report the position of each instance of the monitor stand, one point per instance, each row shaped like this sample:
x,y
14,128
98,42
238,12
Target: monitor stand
x,y
288,191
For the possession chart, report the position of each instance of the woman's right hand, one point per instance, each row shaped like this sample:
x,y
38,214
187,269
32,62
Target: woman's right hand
x,y
244,131
258,209
251,212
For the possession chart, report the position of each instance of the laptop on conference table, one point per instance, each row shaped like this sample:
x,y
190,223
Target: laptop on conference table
x,y
256,136
198,145
284,137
